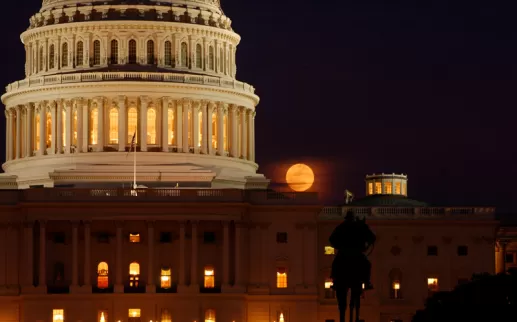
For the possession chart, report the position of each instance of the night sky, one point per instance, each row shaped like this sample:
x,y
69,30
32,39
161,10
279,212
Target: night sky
x,y
356,87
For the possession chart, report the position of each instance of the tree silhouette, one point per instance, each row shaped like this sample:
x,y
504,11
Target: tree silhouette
x,y
485,298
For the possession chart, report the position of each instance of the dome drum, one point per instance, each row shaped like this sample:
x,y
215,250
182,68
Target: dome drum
x,y
386,184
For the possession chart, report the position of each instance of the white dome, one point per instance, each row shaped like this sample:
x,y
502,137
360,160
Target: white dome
x,y
213,5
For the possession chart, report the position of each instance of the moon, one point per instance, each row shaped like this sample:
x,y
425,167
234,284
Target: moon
x,y
300,177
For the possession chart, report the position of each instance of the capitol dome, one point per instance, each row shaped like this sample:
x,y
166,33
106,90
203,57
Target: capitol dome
x,y
99,72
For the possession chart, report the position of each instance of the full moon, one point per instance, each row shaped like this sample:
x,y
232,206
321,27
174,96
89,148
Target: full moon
x,y
300,177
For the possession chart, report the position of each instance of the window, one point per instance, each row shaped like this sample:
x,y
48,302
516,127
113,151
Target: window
x,y
370,188
36,130
209,281
281,277
463,250
51,57
395,290
150,52
281,238
165,278
132,52
171,125
378,188
166,316
80,54
395,283
329,291
167,53
208,237
41,60
49,130
199,56
165,237
133,313
215,135
132,121
74,125
96,53
190,128
210,315
134,238
63,127
221,60
432,284
134,274
102,316
64,55
200,128
432,251
113,118
151,126
94,125
58,238
211,58
329,250
114,52
226,136
397,188
281,317
102,275
388,188
58,315
184,54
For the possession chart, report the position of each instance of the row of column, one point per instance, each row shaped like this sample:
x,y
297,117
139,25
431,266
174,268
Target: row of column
x,y
236,124
119,282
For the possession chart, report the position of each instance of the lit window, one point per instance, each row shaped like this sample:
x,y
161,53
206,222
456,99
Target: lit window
x,y
94,118
102,275
165,279
36,131
395,290
209,277
328,283
132,121
58,315
378,188
49,129
432,284
166,316
388,188
214,130
329,291
281,277
329,250
103,316
113,126
134,238
370,188
281,317
397,188
63,127
171,125
200,128
151,126
74,138
210,315
134,313
134,274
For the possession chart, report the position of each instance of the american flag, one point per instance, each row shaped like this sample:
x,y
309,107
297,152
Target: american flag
x,y
132,144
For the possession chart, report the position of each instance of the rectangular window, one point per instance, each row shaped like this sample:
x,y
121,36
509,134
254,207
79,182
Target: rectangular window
x,y
329,291
133,313
165,237
396,292
166,316
388,188
165,278
281,238
370,188
209,281
509,258
209,237
58,315
432,284
281,277
329,250
463,250
134,238
378,188
432,251
397,188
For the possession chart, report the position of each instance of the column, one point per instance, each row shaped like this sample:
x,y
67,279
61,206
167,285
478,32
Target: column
x,y
79,108
87,254
85,121
151,283
204,133
68,126
244,139
59,127
18,132
209,134
237,256
165,124
53,133
195,126
9,134
75,254
252,139
100,124
29,135
226,253
250,134
194,269
118,278
179,128
234,144
122,117
29,247
42,125
220,129
187,126
42,255
182,255
143,123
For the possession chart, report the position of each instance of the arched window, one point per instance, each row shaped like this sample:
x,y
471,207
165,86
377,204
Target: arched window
x,y
113,117
211,58
281,277
64,55
79,54
134,274
209,281
166,316
41,60
210,315
395,277
132,52
114,52
184,54
199,56
214,130
48,135
165,278
36,130
168,53
51,57
150,52
225,131
93,124
96,53
171,126
151,126
102,275
132,123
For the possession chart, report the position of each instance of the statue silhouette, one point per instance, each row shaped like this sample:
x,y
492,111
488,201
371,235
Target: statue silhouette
x,y
351,268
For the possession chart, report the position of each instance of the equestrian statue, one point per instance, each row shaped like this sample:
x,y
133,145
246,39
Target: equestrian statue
x,y
351,269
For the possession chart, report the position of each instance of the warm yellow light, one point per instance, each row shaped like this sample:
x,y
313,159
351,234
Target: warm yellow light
x,y
209,272
300,177
281,318
134,313
134,238
102,319
329,250
165,278
328,284
432,281
58,315
396,286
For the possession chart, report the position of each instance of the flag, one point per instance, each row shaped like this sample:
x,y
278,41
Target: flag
x,y
132,144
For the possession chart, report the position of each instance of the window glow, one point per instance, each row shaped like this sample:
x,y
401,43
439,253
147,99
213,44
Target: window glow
x,y
370,188
102,275
134,238
134,274
225,131
113,118
432,284
329,250
378,188
210,315
49,130
37,130
94,125
200,128
281,278
58,315
166,316
171,126
132,122
103,316
165,279
397,188
328,283
209,281
388,188
63,127
134,313
151,126
214,130
281,317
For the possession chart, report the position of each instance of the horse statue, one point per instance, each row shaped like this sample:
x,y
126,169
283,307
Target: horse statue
x,y
351,269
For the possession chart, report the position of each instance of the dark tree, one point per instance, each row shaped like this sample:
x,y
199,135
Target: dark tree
x,y
485,298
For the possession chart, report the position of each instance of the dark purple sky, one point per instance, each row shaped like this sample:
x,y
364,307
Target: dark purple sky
x,y
356,87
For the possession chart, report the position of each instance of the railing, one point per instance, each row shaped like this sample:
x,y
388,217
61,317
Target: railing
x,y
405,212
129,76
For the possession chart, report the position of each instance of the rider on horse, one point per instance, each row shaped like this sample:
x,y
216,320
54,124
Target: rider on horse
x,y
352,239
